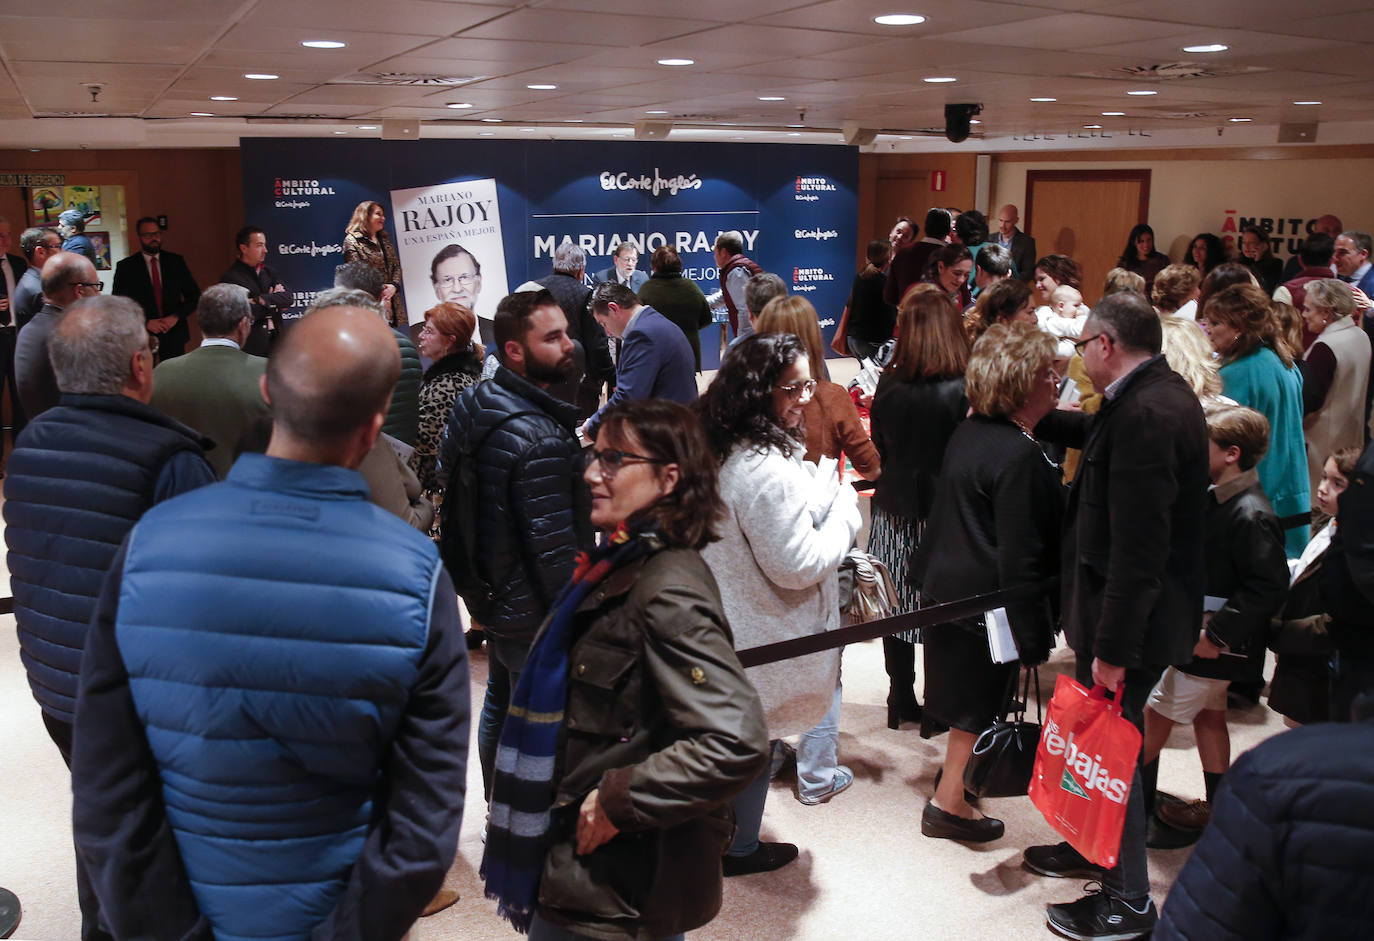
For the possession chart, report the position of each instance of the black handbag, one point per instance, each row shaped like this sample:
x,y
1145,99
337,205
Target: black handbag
x,y
1004,754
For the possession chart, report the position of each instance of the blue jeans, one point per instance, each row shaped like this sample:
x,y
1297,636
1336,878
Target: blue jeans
x,y
748,807
541,930
817,752
505,660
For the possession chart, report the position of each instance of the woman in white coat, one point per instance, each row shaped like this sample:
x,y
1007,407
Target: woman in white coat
x,y
787,527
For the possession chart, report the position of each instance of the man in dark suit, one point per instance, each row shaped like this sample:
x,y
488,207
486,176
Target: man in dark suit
x,y
1021,245
595,366
656,361
267,296
162,285
215,388
908,264
623,270
1132,571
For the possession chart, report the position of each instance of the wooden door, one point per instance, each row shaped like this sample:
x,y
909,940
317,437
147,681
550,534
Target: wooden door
x,y
1086,214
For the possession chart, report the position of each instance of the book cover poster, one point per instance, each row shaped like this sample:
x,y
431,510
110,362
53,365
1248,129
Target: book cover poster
x,y
449,240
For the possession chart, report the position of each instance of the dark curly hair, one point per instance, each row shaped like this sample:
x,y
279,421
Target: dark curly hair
x,y
668,431
737,407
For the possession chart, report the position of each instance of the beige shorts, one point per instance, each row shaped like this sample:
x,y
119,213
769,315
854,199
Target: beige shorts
x,y
1181,696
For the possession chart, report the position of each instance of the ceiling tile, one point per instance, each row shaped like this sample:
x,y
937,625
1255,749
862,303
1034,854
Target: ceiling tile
x,y
589,28
1068,31
92,40
421,17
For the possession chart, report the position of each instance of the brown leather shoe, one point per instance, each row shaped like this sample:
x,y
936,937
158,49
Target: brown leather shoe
x,y
442,900
1193,815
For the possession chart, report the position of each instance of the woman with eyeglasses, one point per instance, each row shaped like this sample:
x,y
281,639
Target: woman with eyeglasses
x,y
446,340
831,420
366,240
633,723
786,529
995,525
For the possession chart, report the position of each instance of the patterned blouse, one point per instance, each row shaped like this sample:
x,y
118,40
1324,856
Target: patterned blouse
x,y
442,383
380,254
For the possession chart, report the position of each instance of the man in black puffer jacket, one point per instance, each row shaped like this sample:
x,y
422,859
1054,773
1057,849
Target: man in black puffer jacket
x,y
1287,852
530,507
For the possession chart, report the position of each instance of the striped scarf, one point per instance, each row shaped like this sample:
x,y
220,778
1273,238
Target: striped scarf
x,y
523,788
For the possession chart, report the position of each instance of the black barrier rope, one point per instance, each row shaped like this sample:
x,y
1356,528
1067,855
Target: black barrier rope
x,y
911,620
7,605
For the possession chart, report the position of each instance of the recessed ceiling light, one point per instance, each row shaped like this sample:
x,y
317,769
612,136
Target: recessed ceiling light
x,y
1241,120
1307,102
905,137
1092,127
1113,114
619,135
975,121
1044,99
771,98
1142,91
899,19
677,61
260,76
223,98
527,129
486,133
340,132
796,125
367,127
541,87
323,44
201,114
573,121
1208,47
458,104
794,133
655,112
492,120
939,79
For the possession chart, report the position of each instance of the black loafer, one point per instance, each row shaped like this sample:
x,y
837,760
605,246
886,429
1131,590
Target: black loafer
x,y
766,858
946,826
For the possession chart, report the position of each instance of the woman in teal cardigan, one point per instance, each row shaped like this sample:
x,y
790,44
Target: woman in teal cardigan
x,y
1258,371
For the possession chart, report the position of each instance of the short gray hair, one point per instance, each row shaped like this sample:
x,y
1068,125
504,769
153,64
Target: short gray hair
x,y
732,241
93,343
569,259
222,308
344,297
761,289
1332,294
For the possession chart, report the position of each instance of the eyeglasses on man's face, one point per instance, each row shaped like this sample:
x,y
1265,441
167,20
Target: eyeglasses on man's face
x,y
1080,343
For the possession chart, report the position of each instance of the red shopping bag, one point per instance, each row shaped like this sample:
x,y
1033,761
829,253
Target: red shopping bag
x,y
1083,768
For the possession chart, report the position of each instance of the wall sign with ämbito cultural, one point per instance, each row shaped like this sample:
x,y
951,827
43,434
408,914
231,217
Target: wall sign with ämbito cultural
x,y
501,208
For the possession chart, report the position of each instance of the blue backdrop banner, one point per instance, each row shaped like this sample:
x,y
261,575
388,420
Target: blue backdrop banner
x,y
796,205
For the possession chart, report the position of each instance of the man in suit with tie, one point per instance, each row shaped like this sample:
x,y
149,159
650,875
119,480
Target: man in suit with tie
x,y
38,245
656,361
624,270
162,285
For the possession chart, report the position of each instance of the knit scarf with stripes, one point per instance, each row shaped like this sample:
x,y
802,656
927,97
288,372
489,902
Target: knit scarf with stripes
x,y
523,786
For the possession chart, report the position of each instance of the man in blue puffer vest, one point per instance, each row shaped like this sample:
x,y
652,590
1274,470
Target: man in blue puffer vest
x,y
272,719
81,475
